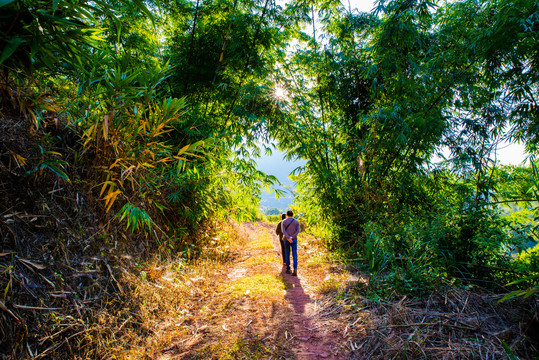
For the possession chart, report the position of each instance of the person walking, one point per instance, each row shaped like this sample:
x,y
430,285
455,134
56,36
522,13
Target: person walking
x,y
290,228
279,231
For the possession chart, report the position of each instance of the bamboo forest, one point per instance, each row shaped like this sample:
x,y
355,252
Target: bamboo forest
x,y
131,220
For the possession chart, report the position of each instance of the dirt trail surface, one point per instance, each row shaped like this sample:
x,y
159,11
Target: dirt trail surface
x,y
260,312
247,307
315,339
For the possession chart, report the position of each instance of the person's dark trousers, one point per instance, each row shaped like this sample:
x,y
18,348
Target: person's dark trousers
x,y
282,250
294,247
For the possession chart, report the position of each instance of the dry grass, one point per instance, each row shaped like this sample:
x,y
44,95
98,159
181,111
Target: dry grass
x,y
257,286
213,310
332,284
177,304
455,324
260,260
261,240
243,321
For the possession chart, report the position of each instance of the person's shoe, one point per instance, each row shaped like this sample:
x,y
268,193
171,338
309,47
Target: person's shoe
x,y
288,271
295,273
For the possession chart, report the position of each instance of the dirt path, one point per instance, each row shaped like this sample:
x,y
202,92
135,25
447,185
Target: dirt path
x,y
236,302
313,341
252,309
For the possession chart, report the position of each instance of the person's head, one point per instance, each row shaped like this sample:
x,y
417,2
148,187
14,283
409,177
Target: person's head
x,y
283,216
289,213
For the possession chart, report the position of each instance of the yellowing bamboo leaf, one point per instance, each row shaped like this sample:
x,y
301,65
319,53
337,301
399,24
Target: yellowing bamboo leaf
x,y
86,142
53,153
20,159
116,163
111,194
183,149
33,116
193,155
110,199
90,134
50,107
105,186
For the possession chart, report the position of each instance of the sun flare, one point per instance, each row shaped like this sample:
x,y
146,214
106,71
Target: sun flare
x,y
280,93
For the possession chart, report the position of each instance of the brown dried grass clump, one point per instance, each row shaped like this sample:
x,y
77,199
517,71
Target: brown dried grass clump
x,y
453,324
99,307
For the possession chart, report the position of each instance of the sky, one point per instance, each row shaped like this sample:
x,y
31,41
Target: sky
x,y
360,5
511,154
280,168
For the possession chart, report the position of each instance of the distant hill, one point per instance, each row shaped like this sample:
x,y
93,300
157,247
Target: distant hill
x,y
276,165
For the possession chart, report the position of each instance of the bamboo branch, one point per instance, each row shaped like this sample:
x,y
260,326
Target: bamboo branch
x,y
509,201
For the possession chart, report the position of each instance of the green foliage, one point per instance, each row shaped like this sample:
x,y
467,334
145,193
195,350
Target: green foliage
x,y
385,96
51,34
47,160
154,164
43,33
527,262
136,218
529,259
533,290
273,219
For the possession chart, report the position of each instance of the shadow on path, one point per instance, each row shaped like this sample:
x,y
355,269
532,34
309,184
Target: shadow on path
x,y
295,294
311,342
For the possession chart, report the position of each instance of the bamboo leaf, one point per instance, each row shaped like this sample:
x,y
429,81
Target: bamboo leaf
x,y
58,172
110,199
526,278
9,49
5,2
183,149
105,183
